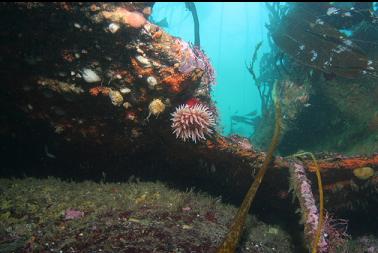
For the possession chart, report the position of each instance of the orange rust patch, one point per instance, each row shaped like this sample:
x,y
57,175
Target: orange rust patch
x,y
210,144
98,89
141,71
157,35
168,71
223,144
245,153
175,82
347,163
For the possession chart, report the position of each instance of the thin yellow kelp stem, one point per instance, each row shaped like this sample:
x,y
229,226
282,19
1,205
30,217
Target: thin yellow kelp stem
x,y
321,201
232,238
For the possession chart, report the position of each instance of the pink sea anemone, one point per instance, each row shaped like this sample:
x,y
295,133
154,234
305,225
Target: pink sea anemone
x,y
192,122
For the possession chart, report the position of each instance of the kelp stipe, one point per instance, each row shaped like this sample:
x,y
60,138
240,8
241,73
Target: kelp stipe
x,y
232,238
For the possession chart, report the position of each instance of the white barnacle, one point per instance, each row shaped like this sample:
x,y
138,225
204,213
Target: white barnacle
x,y
152,82
314,55
347,14
116,98
332,10
125,90
90,76
144,61
348,42
338,49
113,27
319,22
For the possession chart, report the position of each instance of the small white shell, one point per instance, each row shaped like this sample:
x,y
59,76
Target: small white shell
x,y
152,82
113,27
125,90
144,61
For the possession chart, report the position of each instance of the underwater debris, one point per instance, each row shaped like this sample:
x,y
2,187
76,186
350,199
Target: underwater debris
x,y
117,134
192,122
344,163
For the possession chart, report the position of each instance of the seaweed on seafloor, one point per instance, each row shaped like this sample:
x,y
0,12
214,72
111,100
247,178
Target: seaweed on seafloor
x,y
234,234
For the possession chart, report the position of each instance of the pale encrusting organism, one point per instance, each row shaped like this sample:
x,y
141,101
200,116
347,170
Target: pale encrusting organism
x,y
192,122
156,107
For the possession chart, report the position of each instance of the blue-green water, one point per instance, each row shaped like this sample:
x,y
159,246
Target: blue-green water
x,y
229,33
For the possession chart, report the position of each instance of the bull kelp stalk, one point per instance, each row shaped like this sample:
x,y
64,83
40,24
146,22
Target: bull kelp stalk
x,y
309,211
192,8
232,238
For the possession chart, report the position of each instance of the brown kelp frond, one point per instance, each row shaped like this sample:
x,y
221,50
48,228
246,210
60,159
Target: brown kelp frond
x,y
250,67
232,238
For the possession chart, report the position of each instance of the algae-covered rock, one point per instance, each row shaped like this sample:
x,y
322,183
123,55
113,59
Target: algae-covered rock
x,y
53,215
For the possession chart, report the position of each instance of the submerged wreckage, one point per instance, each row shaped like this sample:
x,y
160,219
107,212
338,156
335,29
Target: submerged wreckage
x,y
92,89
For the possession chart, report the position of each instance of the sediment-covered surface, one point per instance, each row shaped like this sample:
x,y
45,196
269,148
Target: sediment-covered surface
x,y
51,215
